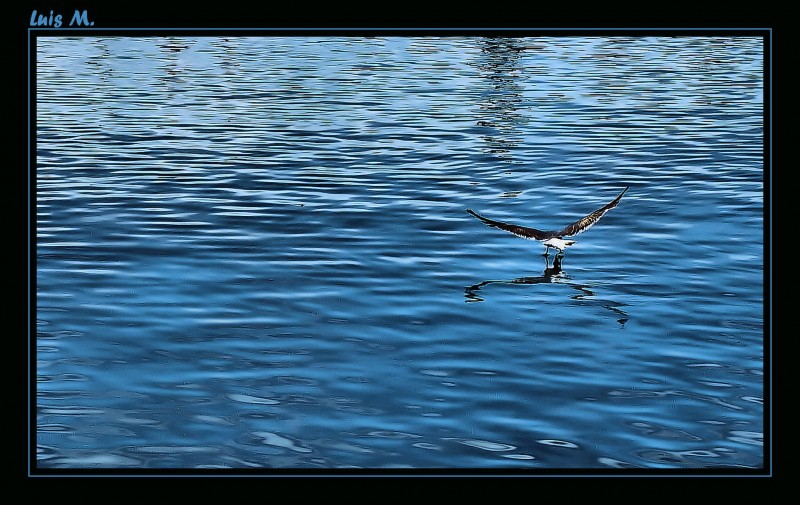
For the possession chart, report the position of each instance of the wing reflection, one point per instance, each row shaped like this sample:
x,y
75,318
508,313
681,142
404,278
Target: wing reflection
x,y
552,274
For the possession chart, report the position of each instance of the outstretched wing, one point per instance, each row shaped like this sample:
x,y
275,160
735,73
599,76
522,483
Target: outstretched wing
x,y
584,223
520,231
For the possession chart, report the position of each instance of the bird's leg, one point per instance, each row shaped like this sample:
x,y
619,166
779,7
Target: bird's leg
x,y
546,251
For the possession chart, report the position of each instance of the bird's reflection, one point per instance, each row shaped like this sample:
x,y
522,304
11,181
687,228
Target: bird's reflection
x,y
552,274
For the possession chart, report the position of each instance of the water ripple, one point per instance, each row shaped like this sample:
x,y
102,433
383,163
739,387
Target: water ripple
x,y
488,446
253,252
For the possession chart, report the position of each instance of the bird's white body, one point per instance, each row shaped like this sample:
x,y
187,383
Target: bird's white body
x,y
558,243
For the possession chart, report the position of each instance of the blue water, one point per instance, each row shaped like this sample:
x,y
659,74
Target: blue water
x,y
254,253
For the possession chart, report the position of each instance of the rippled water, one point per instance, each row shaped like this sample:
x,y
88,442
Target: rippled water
x,y
254,252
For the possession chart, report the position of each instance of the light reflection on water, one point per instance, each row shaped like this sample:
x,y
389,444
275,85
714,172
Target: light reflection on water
x,y
253,252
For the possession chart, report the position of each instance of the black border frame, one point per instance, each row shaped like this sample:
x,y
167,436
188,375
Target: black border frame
x,y
33,33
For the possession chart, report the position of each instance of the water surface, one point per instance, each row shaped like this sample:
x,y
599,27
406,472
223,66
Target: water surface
x,y
254,253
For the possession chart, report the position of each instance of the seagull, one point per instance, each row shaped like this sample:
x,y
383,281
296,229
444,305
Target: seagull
x,y
554,239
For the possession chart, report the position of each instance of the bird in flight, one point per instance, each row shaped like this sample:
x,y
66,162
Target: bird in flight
x,y
554,239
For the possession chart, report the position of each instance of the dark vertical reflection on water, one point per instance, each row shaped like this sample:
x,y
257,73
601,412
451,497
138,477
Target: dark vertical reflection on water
x,y
499,102
253,252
